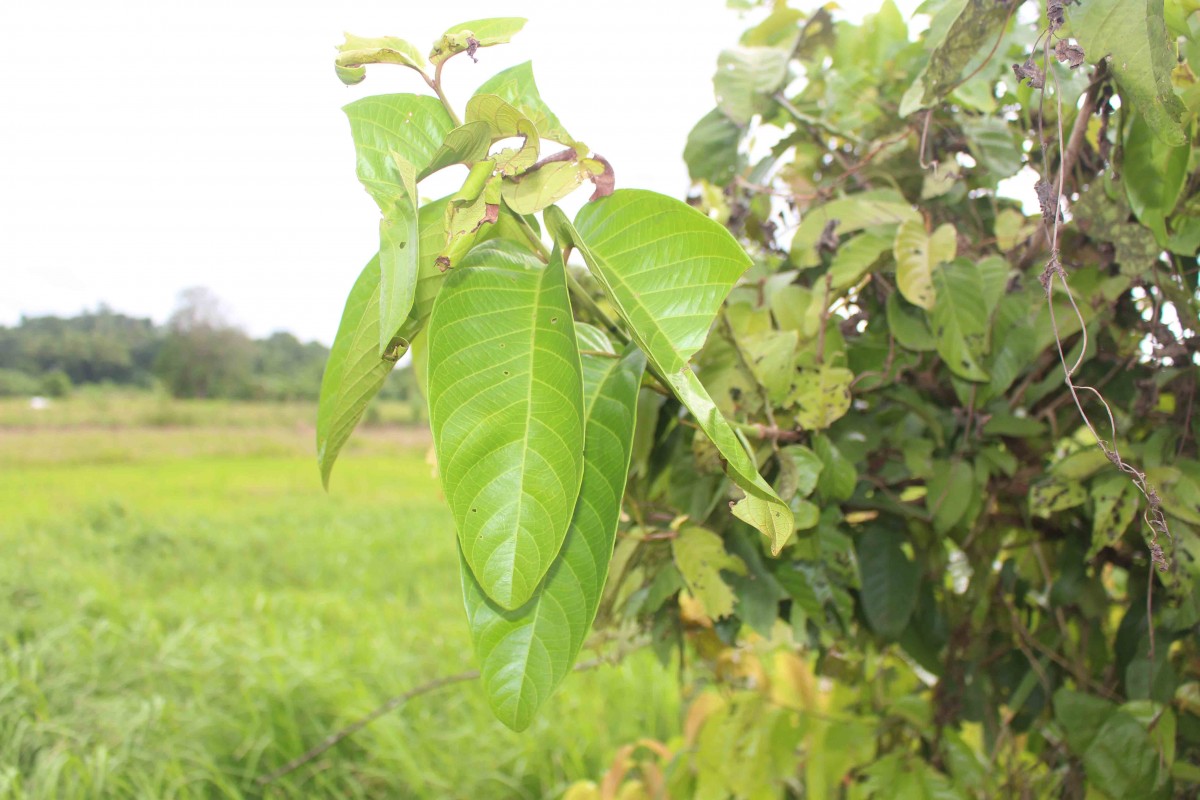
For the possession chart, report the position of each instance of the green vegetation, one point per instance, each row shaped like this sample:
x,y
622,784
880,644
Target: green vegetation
x,y
182,609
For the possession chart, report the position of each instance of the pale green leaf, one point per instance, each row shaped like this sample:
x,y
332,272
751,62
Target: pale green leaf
x,y
711,153
975,22
358,51
994,146
466,144
917,254
506,399
467,36
1133,36
524,654
960,322
516,86
354,371
667,268
1011,227
799,469
399,250
772,359
746,78
853,213
1154,172
822,396
700,556
856,256
537,189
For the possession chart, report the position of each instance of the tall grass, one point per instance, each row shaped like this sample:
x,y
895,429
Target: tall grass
x,y
192,611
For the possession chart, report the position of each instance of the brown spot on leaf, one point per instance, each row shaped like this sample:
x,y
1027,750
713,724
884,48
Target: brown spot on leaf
x,y
829,237
443,263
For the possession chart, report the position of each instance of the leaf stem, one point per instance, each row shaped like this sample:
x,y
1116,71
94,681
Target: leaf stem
x,y
436,84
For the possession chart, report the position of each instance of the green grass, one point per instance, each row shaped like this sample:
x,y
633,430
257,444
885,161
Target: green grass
x,y
182,611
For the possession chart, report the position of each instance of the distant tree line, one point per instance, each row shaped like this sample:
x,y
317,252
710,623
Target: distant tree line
x,y
199,353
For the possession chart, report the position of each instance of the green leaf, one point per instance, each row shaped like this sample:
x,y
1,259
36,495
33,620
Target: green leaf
x,y
976,21
468,36
667,268
506,407
354,371
1055,495
889,583
822,396
1154,172
357,51
399,251
408,124
960,322
516,86
466,144
746,78
856,256
909,325
853,213
1133,36
505,121
799,469
772,360
711,152
700,556
950,493
917,255
524,654
540,188
994,147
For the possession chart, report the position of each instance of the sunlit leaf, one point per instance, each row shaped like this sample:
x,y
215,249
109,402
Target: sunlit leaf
x,y
711,152
524,654
917,255
822,396
746,77
700,556
467,37
465,144
853,213
505,405
358,51
516,86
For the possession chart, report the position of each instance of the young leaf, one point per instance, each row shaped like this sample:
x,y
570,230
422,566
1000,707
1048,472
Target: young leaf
x,y
1133,35
506,407
917,254
408,124
467,37
960,321
357,51
524,654
516,86
540,188
667,268
466,144
354,372
399,250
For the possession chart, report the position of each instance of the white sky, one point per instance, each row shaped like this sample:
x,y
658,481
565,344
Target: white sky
x,y
151,146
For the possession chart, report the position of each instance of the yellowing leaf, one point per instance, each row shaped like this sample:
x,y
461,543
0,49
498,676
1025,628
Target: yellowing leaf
x,y
917,254
700,555
822,396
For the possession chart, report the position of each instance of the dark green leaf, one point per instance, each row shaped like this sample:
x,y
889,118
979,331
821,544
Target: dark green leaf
x,y
889,583
711,152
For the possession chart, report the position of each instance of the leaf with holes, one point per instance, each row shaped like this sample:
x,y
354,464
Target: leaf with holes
x,y
666,268
700,556
506,407
524,654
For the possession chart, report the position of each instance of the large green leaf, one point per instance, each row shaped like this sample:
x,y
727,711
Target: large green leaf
x,y
516,86
395,138
1133,35
506,407
354,371
960,321
746,78
976,22
889,583
667,268
917,253
524,654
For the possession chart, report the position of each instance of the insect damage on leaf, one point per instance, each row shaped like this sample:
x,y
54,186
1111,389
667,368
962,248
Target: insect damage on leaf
x,y
1070,54
1031,72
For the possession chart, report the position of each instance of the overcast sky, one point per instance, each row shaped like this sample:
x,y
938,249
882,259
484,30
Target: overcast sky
x,y
152,146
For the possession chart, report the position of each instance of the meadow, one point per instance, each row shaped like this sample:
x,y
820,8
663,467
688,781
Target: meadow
x,y
183,610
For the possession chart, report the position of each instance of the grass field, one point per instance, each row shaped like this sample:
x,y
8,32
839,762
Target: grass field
x,y
182,609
